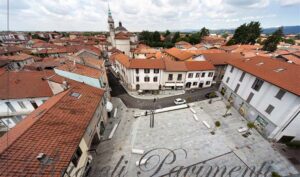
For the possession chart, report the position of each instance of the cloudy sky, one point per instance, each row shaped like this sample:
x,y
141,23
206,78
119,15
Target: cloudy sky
x,y
137,15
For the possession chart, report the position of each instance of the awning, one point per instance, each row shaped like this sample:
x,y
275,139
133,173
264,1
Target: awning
x,y
109,106
169,84
180,84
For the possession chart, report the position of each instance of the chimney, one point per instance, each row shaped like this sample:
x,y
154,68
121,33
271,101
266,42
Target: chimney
x,y
65,85
120,24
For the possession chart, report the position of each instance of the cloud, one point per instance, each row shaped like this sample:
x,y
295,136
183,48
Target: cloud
x,y
289,2
137,15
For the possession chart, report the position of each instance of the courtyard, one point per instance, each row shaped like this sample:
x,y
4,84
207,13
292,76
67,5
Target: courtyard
x,y
181,144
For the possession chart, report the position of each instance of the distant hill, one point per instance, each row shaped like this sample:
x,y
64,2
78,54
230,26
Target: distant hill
x,y
286,30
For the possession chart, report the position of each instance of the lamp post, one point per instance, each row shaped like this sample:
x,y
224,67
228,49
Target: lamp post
x,y
152,114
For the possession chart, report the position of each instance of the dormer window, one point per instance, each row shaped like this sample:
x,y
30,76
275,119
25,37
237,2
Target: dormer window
x,y
260,63
279,70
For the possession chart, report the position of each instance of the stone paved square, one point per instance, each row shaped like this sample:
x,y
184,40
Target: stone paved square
x,y
191,141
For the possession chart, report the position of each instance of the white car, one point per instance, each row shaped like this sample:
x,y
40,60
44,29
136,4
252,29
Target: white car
x,y
178,101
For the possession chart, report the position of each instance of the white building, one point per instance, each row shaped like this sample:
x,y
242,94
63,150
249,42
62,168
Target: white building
x,y
24,92
119,37
160,74
266,91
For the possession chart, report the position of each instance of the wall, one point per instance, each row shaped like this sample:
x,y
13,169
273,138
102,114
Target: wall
x,y
5,113
151,85
123,45
80,78
199,79
165,79
284,109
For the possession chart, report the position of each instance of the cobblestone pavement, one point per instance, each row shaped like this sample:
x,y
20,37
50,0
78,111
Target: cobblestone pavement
x,y
180,143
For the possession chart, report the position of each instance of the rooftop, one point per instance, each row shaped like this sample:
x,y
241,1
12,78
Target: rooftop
x,y
80,69
50,130
179,54
221,58
24,84
281,74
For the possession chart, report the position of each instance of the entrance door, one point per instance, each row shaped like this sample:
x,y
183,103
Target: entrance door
x,y
201,85
286,139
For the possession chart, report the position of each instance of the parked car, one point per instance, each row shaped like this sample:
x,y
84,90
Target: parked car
x,y
178,101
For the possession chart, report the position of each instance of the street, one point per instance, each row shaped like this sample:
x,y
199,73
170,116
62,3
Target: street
x,y
132,102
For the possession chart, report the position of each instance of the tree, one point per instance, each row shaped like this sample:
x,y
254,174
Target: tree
x,y
204,32
246,34
250,125
228,106
175,37
225,35
289,41
217,124
272,41
167,33
156,36
275,174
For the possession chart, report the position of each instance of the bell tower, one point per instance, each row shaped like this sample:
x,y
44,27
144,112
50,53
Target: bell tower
x,y
111,28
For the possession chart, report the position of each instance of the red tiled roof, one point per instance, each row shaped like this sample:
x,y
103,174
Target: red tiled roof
x,y
287,79
145,64
25,84
172,65
221,58
123,59
179,54
292,58
122,36
55,129
199,65
201,52
18,57
80,69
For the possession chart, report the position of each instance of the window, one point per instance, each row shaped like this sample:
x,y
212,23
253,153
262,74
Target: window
x,y
190,75
257,84
146,79
269,109
179,77
227,80
237,88
155,79
136,71
76,156
137,79
280,94
146,70
207,82
33,103
73,94
210,74
231,70
195,83
21,104
250,97
170,77
242,77
197,75
156,70
203,75
10,107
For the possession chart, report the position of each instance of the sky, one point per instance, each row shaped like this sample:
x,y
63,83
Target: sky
x,y
138,15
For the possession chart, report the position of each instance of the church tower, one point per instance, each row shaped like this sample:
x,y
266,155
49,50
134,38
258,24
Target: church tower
x,y
111,28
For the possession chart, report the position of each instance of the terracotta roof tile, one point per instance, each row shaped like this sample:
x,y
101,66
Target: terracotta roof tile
x,y
287,79
143,63
18,57
221,58
25,84
179,54
80,69
199,66
51,133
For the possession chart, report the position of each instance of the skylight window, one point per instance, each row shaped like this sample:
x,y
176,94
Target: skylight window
x,y
279,70
247,59
75,94
260,63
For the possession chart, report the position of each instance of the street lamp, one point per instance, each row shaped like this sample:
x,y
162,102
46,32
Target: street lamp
x,y
152,114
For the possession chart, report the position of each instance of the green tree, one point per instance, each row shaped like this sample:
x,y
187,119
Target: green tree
x,y
297,37
204,32
175,37
156,36
246,34
167,33
225,35
272,41
289,41
250,125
